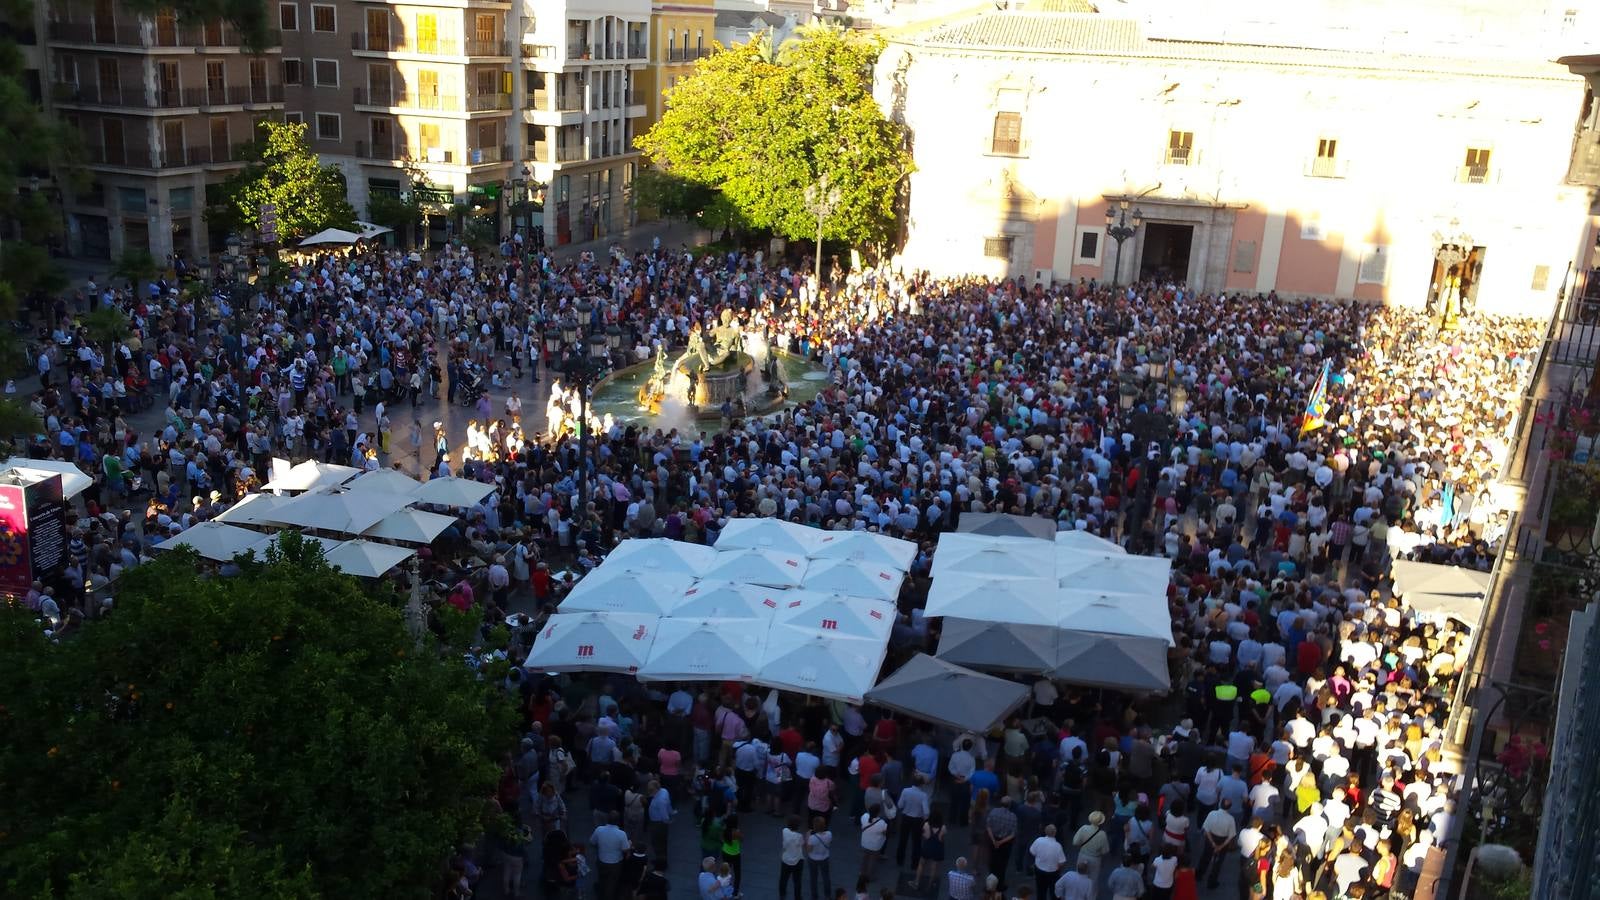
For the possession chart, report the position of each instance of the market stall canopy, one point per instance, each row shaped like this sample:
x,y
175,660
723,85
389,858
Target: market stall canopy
x,y
847,576
214,540
706,650
453,491
717,599
309,475
1007,525
1001,646
385,481
982,555
1113,572
820,663
939,691
336,509
331,236
619,589
663,554
1442,591
769,534
836,614
1022,601
770,568
1086,542
866,548
367,559
73,479
411,526
1137,664
593,642
1133,615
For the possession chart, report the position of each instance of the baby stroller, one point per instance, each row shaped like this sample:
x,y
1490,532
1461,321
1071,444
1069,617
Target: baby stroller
x,y
475,386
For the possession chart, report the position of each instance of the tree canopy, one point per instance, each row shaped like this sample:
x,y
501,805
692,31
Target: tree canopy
x,y
283,171
762,127
276,735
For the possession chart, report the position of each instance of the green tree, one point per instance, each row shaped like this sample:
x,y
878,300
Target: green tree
x,y
272,735
282,170
760,130
136,266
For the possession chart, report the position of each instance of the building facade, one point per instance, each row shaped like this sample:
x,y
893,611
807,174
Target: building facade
x,y
162,107
681,33
1256,167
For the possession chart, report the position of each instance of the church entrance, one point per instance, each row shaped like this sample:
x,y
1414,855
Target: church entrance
x,y
1166,251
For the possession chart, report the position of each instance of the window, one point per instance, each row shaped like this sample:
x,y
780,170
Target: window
x,y
1476,169
1541,278
1326,163
1090,240
700,42
323,18
328,126
295,118
672,42
1006,139
288,17
110,77
1327,148
181,199
483,25
131,200
428,135
1180,148
1311,227
1244,256
216,82
488,81
293,71
427,33
258,78
219,139
173,142
1374,265
326,72
997,247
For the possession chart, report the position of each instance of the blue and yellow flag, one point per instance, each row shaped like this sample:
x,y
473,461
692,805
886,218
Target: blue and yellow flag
x,y
1317,403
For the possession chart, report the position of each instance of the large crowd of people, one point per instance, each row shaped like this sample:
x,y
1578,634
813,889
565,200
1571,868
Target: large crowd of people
x,y
1296,756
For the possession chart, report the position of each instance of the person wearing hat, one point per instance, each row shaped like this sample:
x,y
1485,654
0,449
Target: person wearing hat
x,y
1093,842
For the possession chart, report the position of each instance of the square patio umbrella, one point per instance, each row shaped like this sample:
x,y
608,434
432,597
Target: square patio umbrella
x,y
867,548
593,642
410,526
976,554
214,540
820,663
939,691
769,534
1113,572
620,589
310,475
1122,662
770,568
663,553
716,599
1023,601
327,544
1007,525
858,579
836,614
367,559
1133,615
254,509
1085,542
385,481
706,650
335,509
1440,591
452,491
74,480
1000,646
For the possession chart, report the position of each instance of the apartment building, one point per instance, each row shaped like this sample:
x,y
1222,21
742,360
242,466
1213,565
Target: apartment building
x,y
582,68
163,106
681,32
385,87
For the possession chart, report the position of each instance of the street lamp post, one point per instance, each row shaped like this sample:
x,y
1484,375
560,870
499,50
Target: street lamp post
x,y
1121,224
589,358
822,200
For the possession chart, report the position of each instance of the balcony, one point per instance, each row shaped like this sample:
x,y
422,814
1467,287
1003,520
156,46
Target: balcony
x,y
407,100
67,93
488,48
540,51
485,156
141,158
1478,174
687,54
1180,156
561,154
563,101
488,102
578,49
638,51
1326,167
387,151
383,43
219,36
151,35
1585,166
233,95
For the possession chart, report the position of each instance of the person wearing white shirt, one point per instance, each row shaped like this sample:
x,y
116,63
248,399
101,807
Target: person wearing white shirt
x,y
1049,859
1264,801
1217,832
1313,829
791,856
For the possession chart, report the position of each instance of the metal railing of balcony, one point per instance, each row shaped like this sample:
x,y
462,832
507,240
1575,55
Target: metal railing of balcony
x,y
578,49
638,51
407,100
488,102
1325,167
480,156
539,51
233,95
488,48
1585,166
223,37
131,157
383,43
1179,156
122,35
1474,174
569,153
132,98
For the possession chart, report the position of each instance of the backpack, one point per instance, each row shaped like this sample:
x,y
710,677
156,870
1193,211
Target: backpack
x,y
1073,776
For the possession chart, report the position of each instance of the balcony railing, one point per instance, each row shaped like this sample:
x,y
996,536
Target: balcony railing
x,y
687,54
407,100
141,158
1480,174
578,49
132,98
1326,167
564,101
385,150
488,102
142,34
638,51
539,51
233,95
383,43
1180,156
482,156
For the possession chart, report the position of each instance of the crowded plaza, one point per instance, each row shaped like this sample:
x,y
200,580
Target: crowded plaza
x,y
1280,454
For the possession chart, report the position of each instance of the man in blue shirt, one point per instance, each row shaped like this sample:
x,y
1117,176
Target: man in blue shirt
x,y
611,845
986,778
660,816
